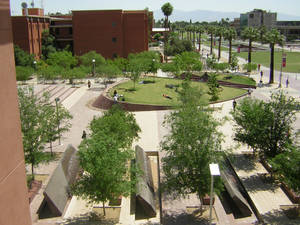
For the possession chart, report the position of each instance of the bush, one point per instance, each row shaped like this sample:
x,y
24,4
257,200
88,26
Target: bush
x,y
23,73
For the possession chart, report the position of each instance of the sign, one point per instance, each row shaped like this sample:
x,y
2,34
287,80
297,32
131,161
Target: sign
x,y
283,60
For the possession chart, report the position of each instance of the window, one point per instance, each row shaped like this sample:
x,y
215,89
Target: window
x,y
251,15
57,31
114,24
115,55
70,30
114,39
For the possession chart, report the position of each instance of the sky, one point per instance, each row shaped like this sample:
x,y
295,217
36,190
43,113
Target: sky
x,y
291,7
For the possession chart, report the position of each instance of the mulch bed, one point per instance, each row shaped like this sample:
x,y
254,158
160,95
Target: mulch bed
x,y
34,189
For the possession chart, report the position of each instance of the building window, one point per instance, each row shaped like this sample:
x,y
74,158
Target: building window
x,y
114,24
57,31
251,15
115,55
114,39
70,30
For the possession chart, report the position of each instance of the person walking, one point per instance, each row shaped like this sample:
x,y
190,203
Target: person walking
x,y
234,105
83,135
287,82
89,84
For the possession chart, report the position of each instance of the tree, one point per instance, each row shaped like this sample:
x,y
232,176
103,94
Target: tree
x,y
273,37
193,143
48,44
48,72
87,59
199,30
230,34
33,116
135,67
265,126
64,59
58,122
286,165
22,58
108,71
167,10
211,30
214,87
105,158
252,34
187,62
220,32
75,73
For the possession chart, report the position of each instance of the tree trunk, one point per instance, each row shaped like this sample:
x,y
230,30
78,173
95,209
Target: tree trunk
x,y
249,51
230,49
199,42
51,148
32,172
193,39
104,213
219,52
271,81
211,43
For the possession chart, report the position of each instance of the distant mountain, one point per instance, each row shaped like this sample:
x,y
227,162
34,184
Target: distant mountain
x,y
209,16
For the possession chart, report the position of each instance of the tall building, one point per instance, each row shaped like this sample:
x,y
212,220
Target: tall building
x,y
111,33
14,202
258,18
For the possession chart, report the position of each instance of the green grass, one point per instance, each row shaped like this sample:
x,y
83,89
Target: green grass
x,y
263,58
236,79
152,93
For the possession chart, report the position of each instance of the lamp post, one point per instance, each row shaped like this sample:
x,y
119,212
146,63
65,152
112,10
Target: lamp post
x,y
56,103
34,65
93,61
214,171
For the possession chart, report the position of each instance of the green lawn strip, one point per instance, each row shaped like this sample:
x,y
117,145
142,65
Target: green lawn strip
x,y
263,58
236,79
152,93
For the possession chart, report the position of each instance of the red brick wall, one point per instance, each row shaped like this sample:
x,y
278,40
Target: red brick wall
x,y
33,12
94,30
27,33
14,205
135,28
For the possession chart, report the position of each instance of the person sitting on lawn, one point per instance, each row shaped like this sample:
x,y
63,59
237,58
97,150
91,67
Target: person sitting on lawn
x,y
167,96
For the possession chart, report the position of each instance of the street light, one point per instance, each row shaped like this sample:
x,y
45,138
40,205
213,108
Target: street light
x,y
34,64
93,61
214,171
56,103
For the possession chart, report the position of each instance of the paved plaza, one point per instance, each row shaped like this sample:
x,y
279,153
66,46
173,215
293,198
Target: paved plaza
x,y
266,197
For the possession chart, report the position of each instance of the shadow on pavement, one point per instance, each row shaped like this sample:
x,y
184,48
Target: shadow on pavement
x,y
243,162
258,183
183,218
278,218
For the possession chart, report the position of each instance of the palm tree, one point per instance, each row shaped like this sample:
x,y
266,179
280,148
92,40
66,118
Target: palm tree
x,y
167,10
211,30
252,34
273,37
200,30
220,32
230,34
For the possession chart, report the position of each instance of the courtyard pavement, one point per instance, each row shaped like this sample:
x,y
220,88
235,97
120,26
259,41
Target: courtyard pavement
x,y
152,132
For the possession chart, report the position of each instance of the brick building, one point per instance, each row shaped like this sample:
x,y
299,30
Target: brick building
x,y
111,33
14,203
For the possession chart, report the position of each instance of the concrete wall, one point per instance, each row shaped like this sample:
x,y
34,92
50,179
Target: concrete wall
x,y
14,205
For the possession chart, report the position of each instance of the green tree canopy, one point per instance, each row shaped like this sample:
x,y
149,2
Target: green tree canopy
x,y
265,126
64,59
229,35
87,59
192,144
105,157
187,62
